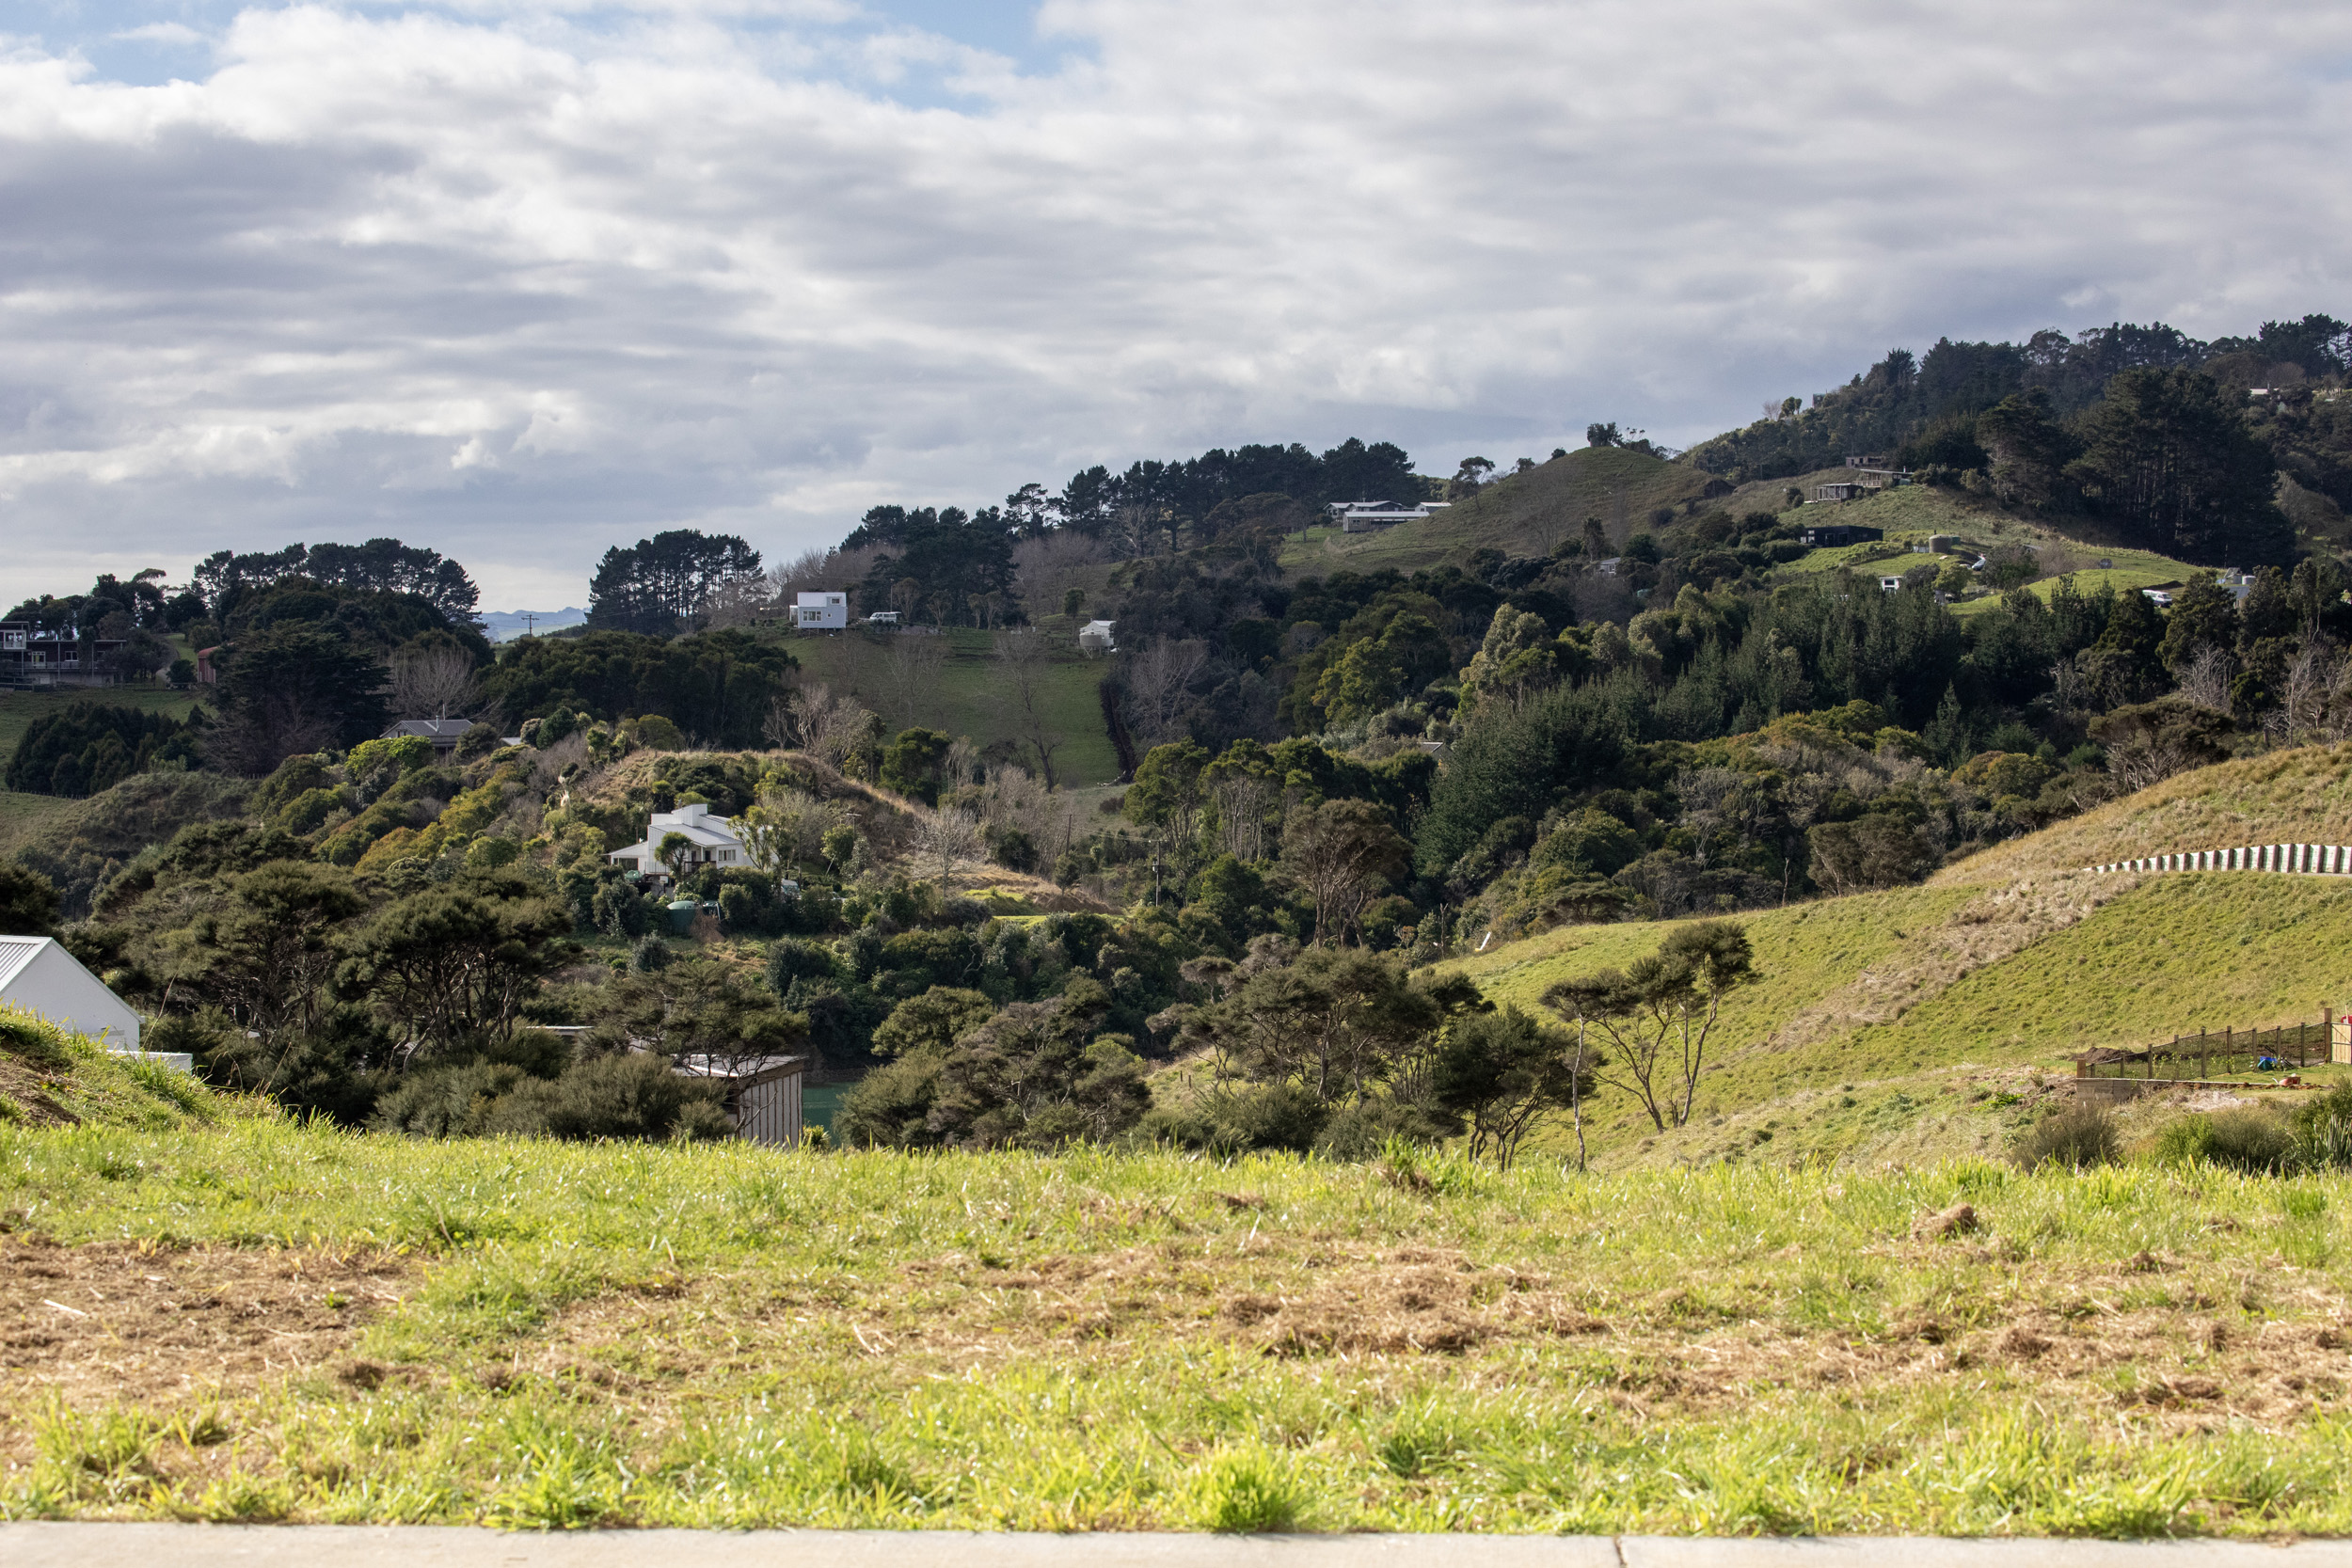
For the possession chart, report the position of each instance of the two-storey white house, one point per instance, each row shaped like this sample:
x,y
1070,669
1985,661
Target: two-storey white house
x,y
711,841
820,611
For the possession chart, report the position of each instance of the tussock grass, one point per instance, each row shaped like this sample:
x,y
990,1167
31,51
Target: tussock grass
x,y
733,1337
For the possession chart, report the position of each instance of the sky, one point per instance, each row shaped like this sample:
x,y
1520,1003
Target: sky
x,y
522,280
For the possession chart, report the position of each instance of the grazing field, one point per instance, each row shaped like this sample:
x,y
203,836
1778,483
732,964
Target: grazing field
x,y
19,709
257,1320
968,694
1521,514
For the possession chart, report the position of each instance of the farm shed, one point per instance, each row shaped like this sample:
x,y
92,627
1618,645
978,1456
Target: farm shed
x,y
47,981
763,1094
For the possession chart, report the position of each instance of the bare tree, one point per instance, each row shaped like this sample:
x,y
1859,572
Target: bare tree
x,y
1050,565
432,683
741,602
1158,677
1022,661
2206,681
2312,676
812,571
947,838
912,673
1245,802
832,726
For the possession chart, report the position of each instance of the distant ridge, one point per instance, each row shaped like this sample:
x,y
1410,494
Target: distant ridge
x,y
501,625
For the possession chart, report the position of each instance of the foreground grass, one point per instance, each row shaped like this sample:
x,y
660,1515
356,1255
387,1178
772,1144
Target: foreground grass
x,y
540,1335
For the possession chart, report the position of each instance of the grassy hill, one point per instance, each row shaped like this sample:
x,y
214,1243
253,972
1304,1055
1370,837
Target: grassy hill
x,y
1523,514
1912,1022
967,694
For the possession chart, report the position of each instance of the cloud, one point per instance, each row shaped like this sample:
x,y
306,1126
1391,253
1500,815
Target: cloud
x,y
519,281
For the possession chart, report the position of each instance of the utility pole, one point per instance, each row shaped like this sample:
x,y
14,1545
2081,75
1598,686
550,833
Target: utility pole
x,y
531,623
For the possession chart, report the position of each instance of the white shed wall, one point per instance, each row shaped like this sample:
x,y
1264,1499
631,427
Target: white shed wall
x,y
55,986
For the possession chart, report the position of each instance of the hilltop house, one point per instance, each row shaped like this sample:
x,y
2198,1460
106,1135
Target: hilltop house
x,y
44,980
1095,637
709,841
820,611
444,733
1364,517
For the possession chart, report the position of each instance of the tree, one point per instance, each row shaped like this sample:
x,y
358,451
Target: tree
x,y
432,682
1167,796
1023,661
1659,1012
2168,454
1503,1072
1874,850
1158,679
294,686
698,1009
912,667
661,585
931,1023
913,762
2148,742
452,966
716,686
269,957
29,902
1518,658
1334,1022
949,838
1341,853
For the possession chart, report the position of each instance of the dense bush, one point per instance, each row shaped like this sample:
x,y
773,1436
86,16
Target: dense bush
x,y
89,747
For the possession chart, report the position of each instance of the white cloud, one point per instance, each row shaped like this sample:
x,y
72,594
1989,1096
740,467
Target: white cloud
x,y
503,283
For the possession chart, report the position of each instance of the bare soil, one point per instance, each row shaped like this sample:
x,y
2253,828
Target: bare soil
x,y
120,1322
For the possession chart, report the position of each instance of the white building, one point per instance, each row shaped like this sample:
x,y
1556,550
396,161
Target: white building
x,y
821,612
711,841
763,1094
47,981
1363,516
1095,637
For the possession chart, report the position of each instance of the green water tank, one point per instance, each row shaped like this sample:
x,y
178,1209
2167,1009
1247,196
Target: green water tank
x,y
682,914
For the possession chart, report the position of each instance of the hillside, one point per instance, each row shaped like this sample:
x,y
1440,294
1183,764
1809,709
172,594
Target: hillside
x,y
1523,515
1890,1025
52,1077
967,694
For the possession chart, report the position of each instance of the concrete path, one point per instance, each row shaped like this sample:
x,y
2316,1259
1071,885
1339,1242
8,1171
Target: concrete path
x,y
94,1546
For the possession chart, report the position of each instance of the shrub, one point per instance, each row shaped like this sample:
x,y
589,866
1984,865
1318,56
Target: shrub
x,y
2245,1137
2086,1135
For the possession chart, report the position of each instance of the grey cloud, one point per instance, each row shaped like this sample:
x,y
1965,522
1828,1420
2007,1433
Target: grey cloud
x,y
520,289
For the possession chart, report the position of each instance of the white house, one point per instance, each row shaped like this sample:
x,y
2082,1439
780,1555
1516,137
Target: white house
x,y
44,980
710,840
821,612
1363,516
1095,637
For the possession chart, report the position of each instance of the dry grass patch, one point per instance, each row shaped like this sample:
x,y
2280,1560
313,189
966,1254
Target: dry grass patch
x,y
118,1322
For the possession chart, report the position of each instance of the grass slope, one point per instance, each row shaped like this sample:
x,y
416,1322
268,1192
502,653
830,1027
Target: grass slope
x,y
540,1335
968,696
52,1077
1952,996
1523,515
2298,796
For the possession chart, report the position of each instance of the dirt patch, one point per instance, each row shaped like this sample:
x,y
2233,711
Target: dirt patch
x,y
1993,925
32,1090
113,1323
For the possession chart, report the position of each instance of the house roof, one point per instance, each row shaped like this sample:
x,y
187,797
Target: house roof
x,y
432,729
16,952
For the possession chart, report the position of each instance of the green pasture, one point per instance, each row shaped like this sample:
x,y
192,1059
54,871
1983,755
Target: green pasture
x,y
969,694
580,1335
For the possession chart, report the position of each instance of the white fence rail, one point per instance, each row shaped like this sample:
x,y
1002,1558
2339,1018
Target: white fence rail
x,y
2313,860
